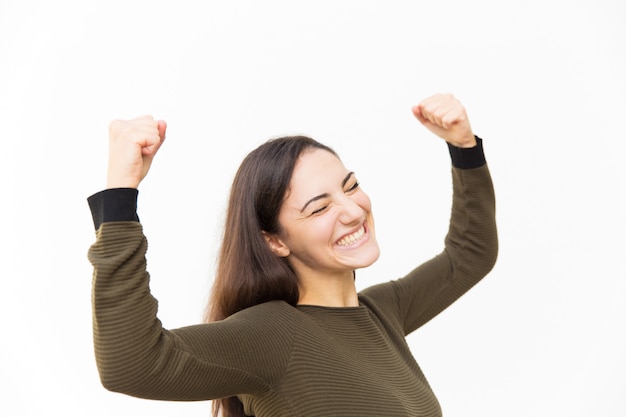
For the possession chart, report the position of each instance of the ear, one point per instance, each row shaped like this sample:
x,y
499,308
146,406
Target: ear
x,y
276,245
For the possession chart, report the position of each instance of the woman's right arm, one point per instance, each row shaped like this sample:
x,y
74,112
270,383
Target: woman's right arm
x,y
134,353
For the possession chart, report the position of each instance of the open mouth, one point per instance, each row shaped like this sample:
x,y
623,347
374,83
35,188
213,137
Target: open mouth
x,y
352,238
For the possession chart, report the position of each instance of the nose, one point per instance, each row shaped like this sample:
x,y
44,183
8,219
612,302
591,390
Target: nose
x,y
351,212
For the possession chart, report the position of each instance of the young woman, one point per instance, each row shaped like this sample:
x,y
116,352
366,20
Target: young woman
x,y
288,334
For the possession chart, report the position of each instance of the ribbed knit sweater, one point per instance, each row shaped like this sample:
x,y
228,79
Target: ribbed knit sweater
x,y
279,359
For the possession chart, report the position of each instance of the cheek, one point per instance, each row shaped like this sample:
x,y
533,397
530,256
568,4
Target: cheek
x,y
310,237
322,230
363,201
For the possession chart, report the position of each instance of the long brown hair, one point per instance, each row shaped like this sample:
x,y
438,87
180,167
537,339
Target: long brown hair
x,y
248,272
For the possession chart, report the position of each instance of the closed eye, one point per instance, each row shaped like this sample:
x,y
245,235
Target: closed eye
x,y
319,210
353,187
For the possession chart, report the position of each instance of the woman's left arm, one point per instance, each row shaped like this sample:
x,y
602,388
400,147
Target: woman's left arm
x,y
471,245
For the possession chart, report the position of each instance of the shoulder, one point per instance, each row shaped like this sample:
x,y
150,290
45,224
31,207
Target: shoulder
x,y
382,299
384,293
269,318
277,310
257,341
267,327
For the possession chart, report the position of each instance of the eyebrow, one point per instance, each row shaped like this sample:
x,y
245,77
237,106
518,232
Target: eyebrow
x,y
325,195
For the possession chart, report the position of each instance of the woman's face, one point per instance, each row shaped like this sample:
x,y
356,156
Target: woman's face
x,y
326,218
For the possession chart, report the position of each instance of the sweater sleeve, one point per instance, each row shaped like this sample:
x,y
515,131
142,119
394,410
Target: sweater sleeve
x,y
114,204
470,250
135,355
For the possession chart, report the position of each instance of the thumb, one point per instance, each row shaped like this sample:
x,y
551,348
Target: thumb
x,y
152,149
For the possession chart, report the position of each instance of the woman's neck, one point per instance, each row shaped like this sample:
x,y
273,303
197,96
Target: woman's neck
x,y
328,290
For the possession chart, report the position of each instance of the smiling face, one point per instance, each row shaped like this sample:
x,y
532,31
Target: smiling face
x,y
326,219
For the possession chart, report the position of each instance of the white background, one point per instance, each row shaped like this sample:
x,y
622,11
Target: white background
x,y
543,83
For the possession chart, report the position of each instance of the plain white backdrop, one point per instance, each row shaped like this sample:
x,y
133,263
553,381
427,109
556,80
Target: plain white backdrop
x,y
543,83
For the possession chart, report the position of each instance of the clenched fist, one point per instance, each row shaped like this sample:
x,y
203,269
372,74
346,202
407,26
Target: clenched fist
x,y
132,145
445,116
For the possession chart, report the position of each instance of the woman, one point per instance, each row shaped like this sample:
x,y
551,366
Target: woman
x,y
288,335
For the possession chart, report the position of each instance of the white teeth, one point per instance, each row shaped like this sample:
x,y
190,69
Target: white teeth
x,y
350,239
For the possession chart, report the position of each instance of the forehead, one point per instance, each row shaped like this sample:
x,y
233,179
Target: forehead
x,y
316,172
316,166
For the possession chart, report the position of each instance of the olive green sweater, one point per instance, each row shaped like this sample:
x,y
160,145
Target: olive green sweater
x,y
283,360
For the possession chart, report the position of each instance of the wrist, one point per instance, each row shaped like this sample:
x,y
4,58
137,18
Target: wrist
x,y
469,142
114,181
465,142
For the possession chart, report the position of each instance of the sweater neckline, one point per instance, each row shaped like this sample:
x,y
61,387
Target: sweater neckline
x,y
315,307
319,308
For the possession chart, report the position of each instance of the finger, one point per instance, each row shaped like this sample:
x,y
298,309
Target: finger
x,y
162,126
430,109
429,112
444,111
417,112
154,139
151,145
452,117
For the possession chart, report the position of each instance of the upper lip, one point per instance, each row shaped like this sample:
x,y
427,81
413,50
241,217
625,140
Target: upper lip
x,y
356,229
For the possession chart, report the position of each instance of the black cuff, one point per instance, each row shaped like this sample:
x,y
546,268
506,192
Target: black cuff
x,y
114,205
467,158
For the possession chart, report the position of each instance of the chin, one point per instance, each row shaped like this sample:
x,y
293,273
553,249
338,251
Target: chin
x,y
369,255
